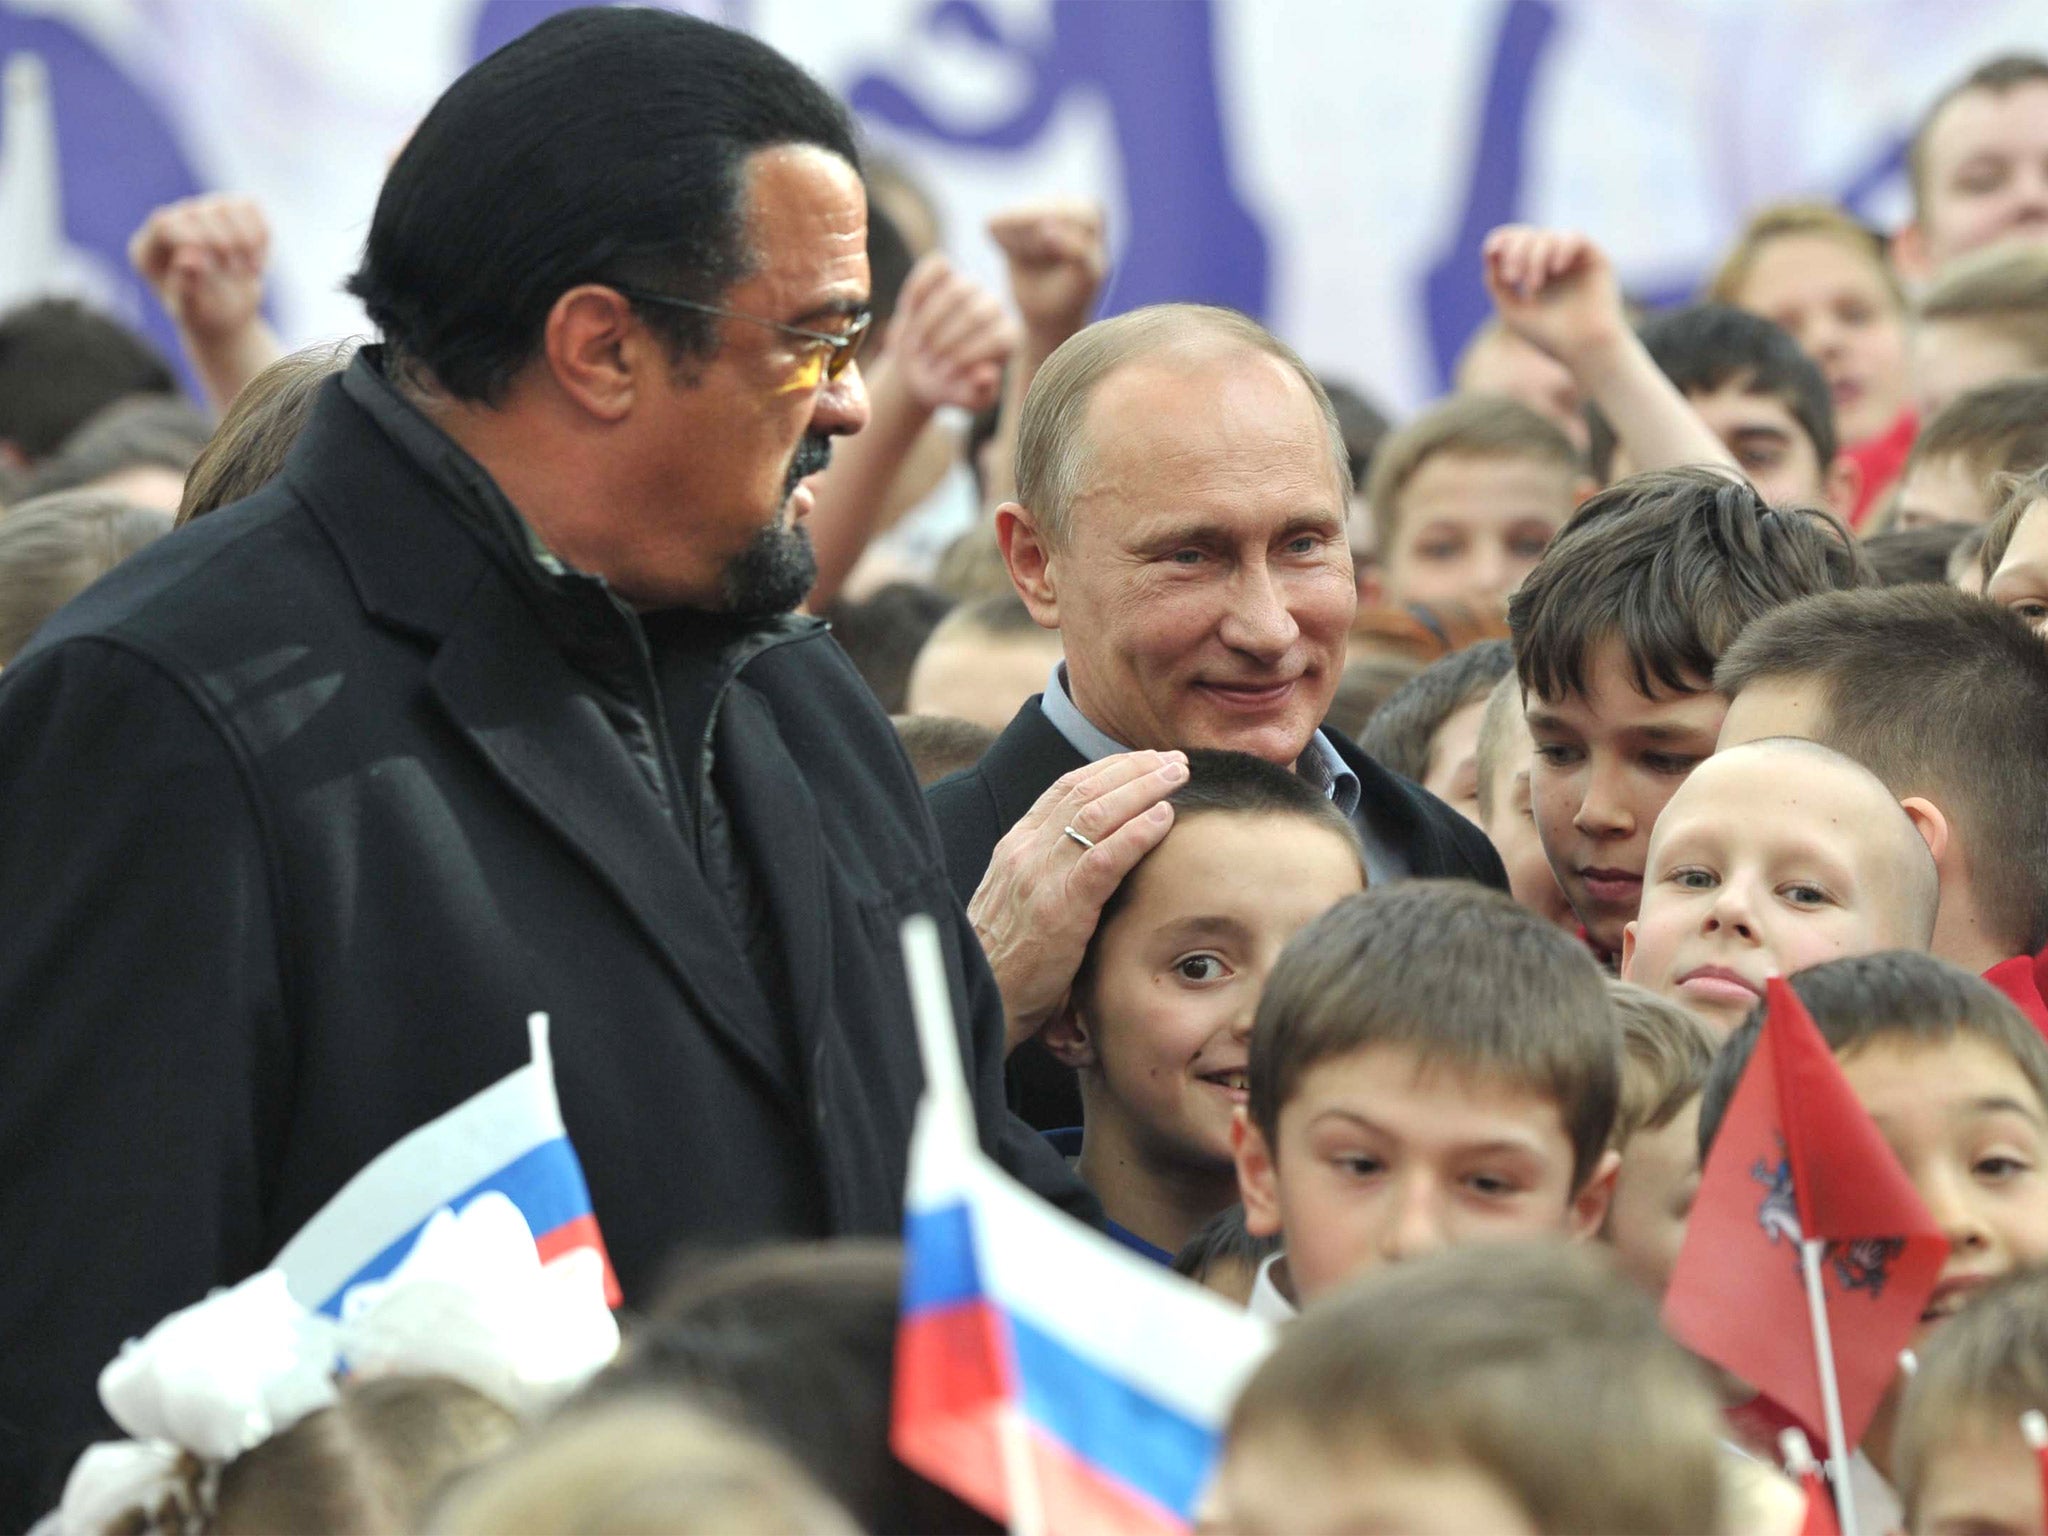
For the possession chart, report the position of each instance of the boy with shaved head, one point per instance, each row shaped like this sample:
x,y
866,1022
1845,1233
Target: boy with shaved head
x,y
1771,857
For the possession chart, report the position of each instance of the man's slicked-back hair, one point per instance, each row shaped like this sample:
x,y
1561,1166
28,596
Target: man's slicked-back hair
x,y
608,144
1996,75
1399,734
1052,435
1461,977
1673,564
1705,347
1940,694
1898,995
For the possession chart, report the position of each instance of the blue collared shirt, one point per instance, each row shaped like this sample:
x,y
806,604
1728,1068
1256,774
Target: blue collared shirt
x,y
1322,765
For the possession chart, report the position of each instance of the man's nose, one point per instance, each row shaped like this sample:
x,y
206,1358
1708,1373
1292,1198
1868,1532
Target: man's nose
x,y
841,407
1258,620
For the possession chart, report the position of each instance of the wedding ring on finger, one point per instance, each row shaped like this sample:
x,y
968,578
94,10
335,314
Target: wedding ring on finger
x,y
1069,831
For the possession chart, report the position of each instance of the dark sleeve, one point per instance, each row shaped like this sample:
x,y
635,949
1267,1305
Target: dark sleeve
x,y
1478,852
139,1024
964,808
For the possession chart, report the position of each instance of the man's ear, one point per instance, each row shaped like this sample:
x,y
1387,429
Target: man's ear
x,y
1909,253
1258,1184
1841,485
1929,822
1589,1205
596,352
1068,1036
1628,948
1033,565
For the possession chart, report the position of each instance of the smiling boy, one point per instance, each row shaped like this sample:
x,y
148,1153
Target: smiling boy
x,y
1771,857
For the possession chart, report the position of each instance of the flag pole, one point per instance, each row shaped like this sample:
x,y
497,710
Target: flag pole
x,y
947,1102
1810,1250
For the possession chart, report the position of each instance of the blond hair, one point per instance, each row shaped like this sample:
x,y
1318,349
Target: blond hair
x,y
249,447
1052,435
2018,493
1776,221
1464,426
2004,288
1503,708
1532,1362
1666,1054
53,547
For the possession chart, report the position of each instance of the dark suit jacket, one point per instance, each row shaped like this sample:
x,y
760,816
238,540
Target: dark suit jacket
x,y
302,812
976,806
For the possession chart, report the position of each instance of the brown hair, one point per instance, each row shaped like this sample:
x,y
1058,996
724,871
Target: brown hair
x,y
2020,492
1052,435
2005,287
1939,693
1996,75
1982,1369
1464,426
1533,1362
1665,1056
1897,995
53,547
1458,975
1775,221
1673,564
938,744
1403,730
249,447
1994,429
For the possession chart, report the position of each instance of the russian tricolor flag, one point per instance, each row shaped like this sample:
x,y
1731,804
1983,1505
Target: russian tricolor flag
x,y
1043,1373
508,1138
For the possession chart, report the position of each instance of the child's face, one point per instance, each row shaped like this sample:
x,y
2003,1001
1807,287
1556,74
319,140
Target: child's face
x,y
1471,529
1504,364
1606,761
1768,442
1511,828
1836,303
1275,1483
1985,175
1178,969
2021,580
1980,1480
1653,1195
979,677
1380,1158
1453,775
1972,1135
1953,357
1763,864
1942,490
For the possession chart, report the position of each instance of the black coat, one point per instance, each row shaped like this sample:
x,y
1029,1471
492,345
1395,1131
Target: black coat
x,y
304,810
976,806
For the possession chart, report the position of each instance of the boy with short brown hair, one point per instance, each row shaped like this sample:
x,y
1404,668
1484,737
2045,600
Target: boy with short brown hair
x,y
1952,474
1428,731
1982,321
1969,164
1666,1054
1430,1066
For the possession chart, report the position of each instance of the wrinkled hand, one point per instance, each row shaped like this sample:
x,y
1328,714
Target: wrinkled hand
x,y
1555,289
950,337
1037,907
205,257
1057,257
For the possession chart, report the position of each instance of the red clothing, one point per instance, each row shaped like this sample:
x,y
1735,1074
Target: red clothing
x,y
2020,979
1881,458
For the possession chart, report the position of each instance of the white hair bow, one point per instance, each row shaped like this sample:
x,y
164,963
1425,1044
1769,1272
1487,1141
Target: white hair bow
x,y
471,1301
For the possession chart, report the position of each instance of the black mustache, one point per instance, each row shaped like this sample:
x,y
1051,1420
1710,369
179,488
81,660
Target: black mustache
x,y
812,455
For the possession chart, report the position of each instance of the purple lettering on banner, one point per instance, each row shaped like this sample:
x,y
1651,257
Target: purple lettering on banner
x,y
1189,234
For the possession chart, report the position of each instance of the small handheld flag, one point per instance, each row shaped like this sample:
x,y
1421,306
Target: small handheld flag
x,y
1819,1519
509,1138
1808,1258
1043,1373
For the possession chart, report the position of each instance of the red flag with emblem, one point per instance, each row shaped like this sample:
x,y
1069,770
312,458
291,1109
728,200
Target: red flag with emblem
x,y
1795,1158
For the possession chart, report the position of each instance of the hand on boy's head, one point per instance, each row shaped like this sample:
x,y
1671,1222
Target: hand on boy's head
x,y
1555,289
1037,906
1772,857
1606,761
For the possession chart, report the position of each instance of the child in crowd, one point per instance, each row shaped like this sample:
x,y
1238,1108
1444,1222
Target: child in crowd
x,y
1971,163
1499,363
1161,1010
2013,562
1501,776
1984,320
1763,398
982,662
1945,698
938,745
1960,1458
1957,1082
1429,730
53,547
1951,476
1665,1055
1432,1066
1825,278
1528,1392
1772,856
1224,1256
1466,497
1616,635
1932,553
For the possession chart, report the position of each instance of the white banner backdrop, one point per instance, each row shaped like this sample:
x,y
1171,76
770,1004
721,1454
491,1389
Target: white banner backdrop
x,y
1327,164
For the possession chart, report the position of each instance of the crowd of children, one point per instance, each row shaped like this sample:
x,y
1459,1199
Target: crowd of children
x,y
1726,626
